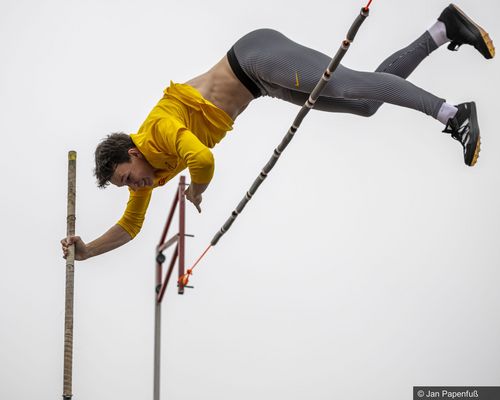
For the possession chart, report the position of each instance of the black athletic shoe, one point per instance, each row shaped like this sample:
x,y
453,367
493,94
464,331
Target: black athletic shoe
x,y
460,29
465,128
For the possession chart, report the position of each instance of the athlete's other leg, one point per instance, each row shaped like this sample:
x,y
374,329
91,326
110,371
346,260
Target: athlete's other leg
x,y
269,63
282,68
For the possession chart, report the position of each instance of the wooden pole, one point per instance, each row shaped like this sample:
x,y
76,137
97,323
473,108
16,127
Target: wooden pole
x,y
70,270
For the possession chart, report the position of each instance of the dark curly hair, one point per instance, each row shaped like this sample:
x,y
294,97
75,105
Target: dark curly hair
x,y
112,150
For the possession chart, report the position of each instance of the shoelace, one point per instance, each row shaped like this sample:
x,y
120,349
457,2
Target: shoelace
x,y
457,132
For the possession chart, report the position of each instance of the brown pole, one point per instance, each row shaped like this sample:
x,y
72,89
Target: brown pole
x,y
70,270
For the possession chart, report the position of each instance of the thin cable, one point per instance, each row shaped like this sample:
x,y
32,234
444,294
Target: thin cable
x,y
184,279
368,5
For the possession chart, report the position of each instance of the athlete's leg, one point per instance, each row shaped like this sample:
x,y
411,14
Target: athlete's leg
x,y
403,62
268,63
279,67
276,66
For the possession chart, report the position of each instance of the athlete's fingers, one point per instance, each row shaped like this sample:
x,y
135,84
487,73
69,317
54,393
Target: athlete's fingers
x,y
195,203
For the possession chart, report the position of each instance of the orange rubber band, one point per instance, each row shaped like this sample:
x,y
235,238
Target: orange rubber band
x,y
184,279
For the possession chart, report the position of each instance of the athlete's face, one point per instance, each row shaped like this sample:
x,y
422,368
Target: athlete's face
x,y
136,173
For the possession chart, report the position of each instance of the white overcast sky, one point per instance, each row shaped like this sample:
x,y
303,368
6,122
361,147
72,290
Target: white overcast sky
x,y
367,263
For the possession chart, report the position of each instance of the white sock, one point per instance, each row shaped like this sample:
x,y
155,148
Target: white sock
x,y
438,33
446,112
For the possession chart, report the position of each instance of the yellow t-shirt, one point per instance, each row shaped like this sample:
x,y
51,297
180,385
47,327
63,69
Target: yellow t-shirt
x,y
177,134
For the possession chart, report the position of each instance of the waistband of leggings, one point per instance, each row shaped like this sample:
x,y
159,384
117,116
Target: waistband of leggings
x,y
241,75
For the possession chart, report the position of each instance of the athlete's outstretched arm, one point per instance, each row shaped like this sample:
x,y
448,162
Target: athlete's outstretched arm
x,y
115,237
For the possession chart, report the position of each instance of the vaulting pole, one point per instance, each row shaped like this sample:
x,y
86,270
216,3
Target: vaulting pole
x,y
70,270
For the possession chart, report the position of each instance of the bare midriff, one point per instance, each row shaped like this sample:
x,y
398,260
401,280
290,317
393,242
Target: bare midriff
x,y
221,86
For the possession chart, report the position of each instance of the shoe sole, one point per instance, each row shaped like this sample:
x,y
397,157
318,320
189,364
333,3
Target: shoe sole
x,y
475,127
476,152
489,47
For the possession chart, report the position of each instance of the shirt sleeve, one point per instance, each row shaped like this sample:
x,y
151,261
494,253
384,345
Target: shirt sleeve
x,y
198,157
171,136
135,212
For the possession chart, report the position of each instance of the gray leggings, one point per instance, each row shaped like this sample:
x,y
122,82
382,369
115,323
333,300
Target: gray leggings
x,y
270,64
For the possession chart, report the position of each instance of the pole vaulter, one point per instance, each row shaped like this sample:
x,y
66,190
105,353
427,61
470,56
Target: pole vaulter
x,y
193,117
